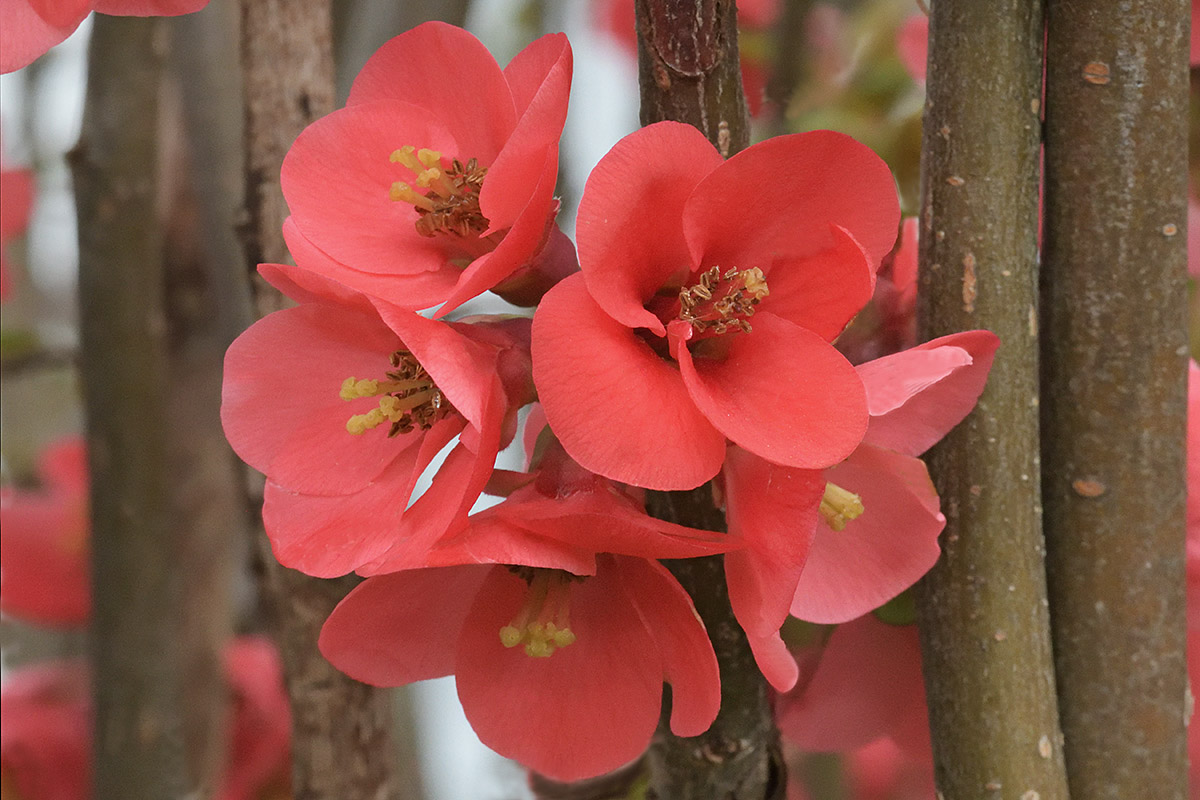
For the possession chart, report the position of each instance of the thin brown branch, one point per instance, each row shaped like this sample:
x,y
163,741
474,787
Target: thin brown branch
x,y
139,740
1114,380
341,733
985,632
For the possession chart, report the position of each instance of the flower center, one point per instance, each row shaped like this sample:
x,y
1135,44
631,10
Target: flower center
x,y
408,398
719,302
451,204
544,623
839,506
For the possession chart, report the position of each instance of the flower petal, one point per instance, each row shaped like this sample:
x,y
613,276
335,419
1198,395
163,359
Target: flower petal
x,y
777,200
148,8
774,509
395,629
688,660
781,392
530,70
281,407
884,551
44,550
616,406
774,661
25,35
915,397
822,292
449,72
587,709
628,228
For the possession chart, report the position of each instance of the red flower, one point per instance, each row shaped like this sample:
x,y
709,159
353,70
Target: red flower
x,y
45,733
436,181
16,201
343,405
260,724
31,27
44,545
828,546
559,658
912,45
647,361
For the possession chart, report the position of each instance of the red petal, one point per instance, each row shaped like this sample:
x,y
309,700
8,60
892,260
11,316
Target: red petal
x,y
280,402
448,71
337,177
781,392
629,227
16,201
917,396
689,663
62,13
774,661
884,551
774,509
777,200
868,682
25,35
912,45
44,550
824,291
616,406
588,708
149,8
530,70
399,628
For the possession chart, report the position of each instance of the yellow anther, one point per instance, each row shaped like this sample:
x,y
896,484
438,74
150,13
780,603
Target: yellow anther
x,y
510,636
563,637
539,648
430,158
361,423
401,192
352,389
407,156
839,506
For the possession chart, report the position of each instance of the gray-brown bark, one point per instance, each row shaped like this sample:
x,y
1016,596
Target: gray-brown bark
x,y
1114,388
689,72
982,609
139,742
341,742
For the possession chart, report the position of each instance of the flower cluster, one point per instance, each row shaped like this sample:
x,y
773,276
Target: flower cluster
x,y
691,341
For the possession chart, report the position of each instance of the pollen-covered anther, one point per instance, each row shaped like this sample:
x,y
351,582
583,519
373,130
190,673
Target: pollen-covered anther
x,y
451,204
543,623
839,506
719,302
408,398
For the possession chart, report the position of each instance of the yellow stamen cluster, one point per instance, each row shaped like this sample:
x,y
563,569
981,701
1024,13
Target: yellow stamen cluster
x,y
839,506
721,302
543,623
408,399
451,204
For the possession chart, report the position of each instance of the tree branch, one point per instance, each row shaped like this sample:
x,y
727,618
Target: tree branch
x,y
982,609
1114,381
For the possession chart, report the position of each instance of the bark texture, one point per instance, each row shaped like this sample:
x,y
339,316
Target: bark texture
x,y
1114,390
341,729
139,741
982,610
688,70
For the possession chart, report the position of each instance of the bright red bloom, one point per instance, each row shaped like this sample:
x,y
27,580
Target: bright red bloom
x,y
259,761
44,543
1193,232
45,733
889,324
912,45
16,202
343,404
436,181
828,546
602,623
649,360
1193,557
865,684
29,28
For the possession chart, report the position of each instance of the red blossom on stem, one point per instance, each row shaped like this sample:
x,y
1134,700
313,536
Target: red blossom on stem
x,y
650,359
44,545
16,203
28,28
436,181
556,619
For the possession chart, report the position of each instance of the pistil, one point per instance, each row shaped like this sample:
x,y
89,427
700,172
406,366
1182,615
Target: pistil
x,y
408,398
451,204
839,506
720,302
543,623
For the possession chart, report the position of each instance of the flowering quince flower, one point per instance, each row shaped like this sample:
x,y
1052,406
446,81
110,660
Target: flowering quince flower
x,y
45,733
1193,231
260,739
436,181
556,619
1193,557
889,324
828,546
28,28
44,545
912,45
650,359
16,201
862,685
374,392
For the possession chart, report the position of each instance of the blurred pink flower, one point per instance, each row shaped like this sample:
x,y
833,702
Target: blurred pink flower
x,y
16,202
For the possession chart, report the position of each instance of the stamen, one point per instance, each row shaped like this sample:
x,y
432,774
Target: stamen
x,y
401,192
451,204
408,398
543,623
721,302
839,506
